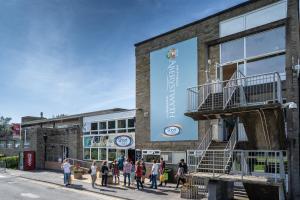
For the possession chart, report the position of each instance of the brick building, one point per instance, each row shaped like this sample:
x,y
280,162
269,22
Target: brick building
x,y
78,136
228,81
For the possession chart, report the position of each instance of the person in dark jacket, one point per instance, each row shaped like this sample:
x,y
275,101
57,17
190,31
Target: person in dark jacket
x,y
162,168
104,171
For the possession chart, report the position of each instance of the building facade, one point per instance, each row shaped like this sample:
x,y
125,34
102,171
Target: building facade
x,y
230,76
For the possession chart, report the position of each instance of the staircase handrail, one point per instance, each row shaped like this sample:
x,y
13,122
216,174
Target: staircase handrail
x,y
230,147
203,146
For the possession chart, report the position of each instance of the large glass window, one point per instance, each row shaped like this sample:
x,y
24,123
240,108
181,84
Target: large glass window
x,y
94,126
102,154
232,50
131,123
265,42
273,64
94,153
111,126
86,154
111,154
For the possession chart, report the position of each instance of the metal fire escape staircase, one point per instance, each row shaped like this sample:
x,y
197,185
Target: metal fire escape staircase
x,y
216,156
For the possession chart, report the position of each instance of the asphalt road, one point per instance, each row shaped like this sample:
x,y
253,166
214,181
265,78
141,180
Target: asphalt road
x,y
16,188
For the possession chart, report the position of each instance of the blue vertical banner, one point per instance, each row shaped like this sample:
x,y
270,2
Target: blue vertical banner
x,y
173,69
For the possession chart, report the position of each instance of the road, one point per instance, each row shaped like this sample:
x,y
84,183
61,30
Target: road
x,y
16,188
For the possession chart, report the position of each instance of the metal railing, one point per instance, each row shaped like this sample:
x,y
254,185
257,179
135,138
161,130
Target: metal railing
x,y
270,165
194,188
229,147
236,92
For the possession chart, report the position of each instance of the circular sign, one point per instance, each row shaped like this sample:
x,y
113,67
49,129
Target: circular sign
x,y
123,141
172,130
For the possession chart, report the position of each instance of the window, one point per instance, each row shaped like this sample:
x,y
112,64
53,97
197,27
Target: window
x,y
232,50
94,126
131,123
256,54
86,154
111,126
102,154
2,143
87,141
111,154
264,15
102,125
265,42
122,123
273,64
94,153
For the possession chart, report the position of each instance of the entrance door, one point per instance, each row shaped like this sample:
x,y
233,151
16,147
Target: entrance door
x,y
65,152
228,71
131,155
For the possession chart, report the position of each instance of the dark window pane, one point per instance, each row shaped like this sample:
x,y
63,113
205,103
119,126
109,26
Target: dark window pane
x,y
131,130
102,125
131,123
111,125
102,154
122,131
94,126
122,123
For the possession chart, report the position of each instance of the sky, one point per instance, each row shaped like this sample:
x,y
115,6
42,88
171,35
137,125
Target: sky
x,y
74,56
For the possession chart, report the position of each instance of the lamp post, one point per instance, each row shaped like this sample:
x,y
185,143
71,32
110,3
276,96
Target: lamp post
x,y
45,137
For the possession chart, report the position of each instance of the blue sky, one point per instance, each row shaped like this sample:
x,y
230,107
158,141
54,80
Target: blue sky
x,y
73,56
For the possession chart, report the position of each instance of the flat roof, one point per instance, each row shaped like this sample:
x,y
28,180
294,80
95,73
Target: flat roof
x,y
195,22
99,112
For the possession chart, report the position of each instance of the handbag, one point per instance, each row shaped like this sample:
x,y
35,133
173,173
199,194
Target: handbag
x,y
90,171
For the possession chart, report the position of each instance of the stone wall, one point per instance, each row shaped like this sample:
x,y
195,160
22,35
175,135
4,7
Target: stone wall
x,y
207,33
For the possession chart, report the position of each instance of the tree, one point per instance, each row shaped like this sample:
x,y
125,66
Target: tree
x,y
4,124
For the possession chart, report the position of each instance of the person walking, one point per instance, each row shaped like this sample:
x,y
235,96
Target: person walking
x,y
127,172
162,168
104,172
93,173
116,171
154,173
66,166
132,174
180,175
121,161
138,175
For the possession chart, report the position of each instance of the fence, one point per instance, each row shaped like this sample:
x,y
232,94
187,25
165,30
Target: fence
x,y
2,166
239,91
269,164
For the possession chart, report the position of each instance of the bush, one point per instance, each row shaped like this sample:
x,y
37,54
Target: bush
x,y
11,162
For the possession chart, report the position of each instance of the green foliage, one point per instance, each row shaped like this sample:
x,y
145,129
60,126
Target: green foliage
x,y
4,124
11,162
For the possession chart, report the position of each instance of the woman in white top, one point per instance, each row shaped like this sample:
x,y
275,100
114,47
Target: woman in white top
x,y
93,171
154,173
67,172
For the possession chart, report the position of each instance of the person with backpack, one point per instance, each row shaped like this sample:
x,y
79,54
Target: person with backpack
x,y
162,168
180,174
104,171
184,165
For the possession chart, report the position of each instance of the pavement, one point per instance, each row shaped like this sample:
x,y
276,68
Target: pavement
x,y
17,188
113,191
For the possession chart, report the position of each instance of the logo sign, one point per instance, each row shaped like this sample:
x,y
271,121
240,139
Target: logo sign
x,y
172,53
123,141
172,130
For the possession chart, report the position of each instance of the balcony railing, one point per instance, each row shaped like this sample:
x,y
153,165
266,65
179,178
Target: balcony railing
x,y
239,91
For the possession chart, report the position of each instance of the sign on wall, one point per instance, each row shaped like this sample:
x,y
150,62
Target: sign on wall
x,y
118,141
172,70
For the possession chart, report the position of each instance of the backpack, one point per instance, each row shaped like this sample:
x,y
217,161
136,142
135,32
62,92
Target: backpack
x,y
185,168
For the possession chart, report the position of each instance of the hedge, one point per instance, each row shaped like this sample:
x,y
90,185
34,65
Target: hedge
x,y
11,162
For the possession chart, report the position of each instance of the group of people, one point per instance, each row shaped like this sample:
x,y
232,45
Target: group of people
x,y
131,171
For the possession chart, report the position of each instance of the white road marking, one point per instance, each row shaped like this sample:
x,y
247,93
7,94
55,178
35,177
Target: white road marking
x,y
1,176
30,195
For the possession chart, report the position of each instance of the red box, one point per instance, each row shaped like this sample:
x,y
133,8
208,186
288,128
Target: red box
x,y
29,160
